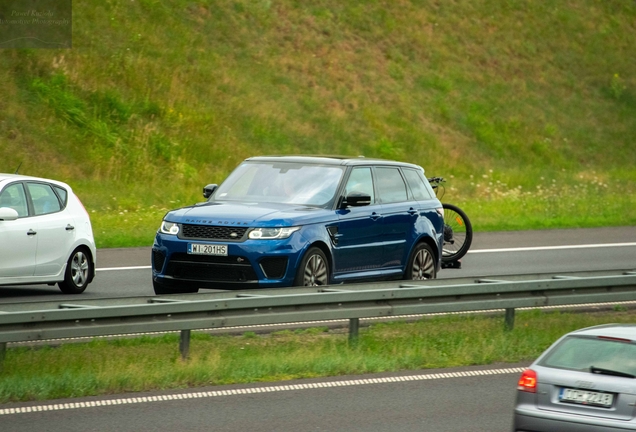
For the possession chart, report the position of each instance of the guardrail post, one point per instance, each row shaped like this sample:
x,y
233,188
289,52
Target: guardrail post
x,y
354,326
3,352
184,344
510,319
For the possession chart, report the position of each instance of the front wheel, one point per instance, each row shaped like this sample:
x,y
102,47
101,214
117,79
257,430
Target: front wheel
x,y
78,272
421,265
313,270
458,233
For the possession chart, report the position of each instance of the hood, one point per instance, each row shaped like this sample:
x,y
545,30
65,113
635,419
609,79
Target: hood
x,y
249,214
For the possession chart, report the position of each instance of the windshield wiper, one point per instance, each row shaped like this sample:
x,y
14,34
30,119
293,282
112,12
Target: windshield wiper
x,y
601,371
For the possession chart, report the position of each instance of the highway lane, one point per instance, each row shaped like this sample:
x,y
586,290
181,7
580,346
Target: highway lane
x,y
126,272
449,400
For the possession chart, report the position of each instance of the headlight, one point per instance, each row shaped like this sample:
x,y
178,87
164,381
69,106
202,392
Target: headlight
x,y
272,233
169,228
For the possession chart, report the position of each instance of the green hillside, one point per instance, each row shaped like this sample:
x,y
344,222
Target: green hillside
x,y
527,108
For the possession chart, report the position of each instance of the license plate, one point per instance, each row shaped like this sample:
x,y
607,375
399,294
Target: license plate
x,y
206,249
586,397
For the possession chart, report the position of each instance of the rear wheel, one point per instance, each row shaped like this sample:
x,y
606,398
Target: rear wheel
x,y
79,269
422,264
313,270
458,233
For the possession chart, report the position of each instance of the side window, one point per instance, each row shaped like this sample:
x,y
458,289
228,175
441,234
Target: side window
x,y
63,194
391,186
44,199
13,196
360,180
417,185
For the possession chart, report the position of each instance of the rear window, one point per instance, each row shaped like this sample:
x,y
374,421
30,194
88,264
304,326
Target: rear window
x,y
581,353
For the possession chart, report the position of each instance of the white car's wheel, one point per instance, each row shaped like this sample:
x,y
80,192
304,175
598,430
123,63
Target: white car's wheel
x,y
78,272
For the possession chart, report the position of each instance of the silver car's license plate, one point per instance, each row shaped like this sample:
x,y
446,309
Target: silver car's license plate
x,y
586,397
206,249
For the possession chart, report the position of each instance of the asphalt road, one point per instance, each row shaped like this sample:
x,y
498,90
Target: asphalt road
x,y
126,272
450,400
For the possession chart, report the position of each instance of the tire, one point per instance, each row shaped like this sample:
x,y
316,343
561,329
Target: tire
x,y
458,233
422,264
77,276
161,289
313,269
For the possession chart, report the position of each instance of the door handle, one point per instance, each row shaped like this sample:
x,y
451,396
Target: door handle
x,y
375,216
70,227
412,211
31,232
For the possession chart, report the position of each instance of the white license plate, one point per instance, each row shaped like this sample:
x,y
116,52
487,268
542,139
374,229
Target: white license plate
x,y
586,397
206,249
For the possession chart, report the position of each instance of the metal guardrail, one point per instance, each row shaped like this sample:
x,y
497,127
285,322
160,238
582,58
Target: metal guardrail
x,y
227,309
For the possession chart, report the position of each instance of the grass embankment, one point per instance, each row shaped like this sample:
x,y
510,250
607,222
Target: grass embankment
x,y
153,363
535,100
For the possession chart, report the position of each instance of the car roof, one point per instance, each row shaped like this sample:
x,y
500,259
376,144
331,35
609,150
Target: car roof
x,y
330,160
17,177
622,331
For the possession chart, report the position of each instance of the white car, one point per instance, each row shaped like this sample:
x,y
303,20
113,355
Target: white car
x,y
45,235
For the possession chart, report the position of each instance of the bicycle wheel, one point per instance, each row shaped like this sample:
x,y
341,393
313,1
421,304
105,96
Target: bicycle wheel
x,y
458,233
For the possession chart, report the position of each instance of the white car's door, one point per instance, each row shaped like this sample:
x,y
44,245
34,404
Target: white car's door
x,y
55,230
18,238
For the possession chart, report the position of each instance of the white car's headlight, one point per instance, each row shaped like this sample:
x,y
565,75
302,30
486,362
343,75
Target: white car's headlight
x,y
272,233
169,228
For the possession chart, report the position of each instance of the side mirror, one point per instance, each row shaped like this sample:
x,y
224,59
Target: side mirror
x,y
209,190
8,214
356,199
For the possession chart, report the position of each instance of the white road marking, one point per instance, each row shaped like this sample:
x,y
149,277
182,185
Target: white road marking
x,y
539,248
250,390
124,268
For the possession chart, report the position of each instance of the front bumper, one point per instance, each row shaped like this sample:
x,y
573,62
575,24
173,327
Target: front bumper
x,y
249,264
531,419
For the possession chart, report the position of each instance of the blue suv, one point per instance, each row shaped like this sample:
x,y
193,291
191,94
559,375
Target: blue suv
x,y
280,221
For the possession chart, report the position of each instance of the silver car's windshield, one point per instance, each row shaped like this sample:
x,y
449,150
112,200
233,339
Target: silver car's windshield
x,y
281,182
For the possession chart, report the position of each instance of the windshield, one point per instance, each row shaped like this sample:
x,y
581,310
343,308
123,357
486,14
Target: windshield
x,y
281,182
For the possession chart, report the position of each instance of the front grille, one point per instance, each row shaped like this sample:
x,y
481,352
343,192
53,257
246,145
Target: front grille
x,y
274,268
210,268
158,258
225,233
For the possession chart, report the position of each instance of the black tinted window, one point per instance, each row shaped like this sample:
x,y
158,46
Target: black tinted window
x,y
391,186
417,185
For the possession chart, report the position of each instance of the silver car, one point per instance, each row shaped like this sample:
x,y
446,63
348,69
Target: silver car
x,y
585,382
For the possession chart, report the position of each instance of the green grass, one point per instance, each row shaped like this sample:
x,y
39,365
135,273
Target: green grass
x,y
556,201
153,363
158,98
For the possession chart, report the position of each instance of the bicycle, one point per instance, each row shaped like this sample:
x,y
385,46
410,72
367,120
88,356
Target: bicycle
x,y
458,231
